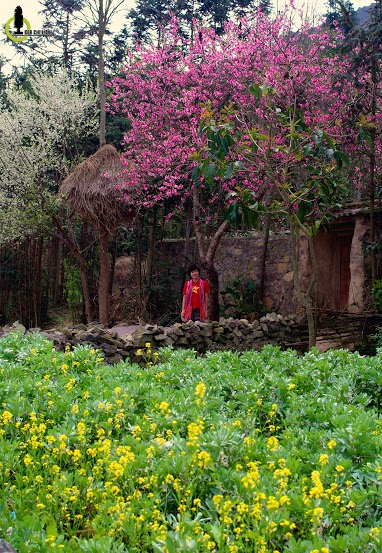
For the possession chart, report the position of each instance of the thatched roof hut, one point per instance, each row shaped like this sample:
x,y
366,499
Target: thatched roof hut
x,y
91,190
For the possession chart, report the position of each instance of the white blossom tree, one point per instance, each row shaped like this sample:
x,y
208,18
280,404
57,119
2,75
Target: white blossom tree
x,y
39,135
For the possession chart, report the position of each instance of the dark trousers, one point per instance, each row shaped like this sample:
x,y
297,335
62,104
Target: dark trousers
x,y
195,315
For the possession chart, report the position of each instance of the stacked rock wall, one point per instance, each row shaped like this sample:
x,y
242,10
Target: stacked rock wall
x,y
233,334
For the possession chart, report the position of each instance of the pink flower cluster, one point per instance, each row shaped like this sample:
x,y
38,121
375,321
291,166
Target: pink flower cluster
x,y
165,92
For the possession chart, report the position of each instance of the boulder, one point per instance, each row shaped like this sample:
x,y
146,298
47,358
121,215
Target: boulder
x,y
6,547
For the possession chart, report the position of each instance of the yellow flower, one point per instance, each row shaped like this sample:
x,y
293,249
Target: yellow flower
x,y
323,460
251,478
28,460
272,503
332,444
272,443
6,417
194,431
200,390
204,459
139,352
76,455
318,488
164,407
340,468
318,512
242,508
374,532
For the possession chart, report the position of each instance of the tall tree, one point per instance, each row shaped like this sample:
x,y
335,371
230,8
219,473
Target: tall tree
x,y
167,91
363,46
341,15
60,18
95,19
148,20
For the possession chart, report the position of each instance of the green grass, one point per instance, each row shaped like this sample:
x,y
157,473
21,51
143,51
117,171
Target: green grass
x,y
259,452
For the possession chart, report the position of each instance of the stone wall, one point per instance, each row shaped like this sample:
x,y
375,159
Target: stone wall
x,y
239,256
232,334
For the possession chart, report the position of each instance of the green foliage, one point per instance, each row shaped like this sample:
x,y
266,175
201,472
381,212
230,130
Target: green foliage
x,y
240,298
377,295
315,183
180,455
377,337
73,291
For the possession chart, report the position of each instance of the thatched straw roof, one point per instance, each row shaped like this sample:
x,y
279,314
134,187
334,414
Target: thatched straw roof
x,y
91,190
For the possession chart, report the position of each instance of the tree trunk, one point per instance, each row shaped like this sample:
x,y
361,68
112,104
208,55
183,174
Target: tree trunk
x,y
37,284
310,298
186,252
151,249
305,297
213,302
207,257
113,260
101,76
73,246
263,257
104,277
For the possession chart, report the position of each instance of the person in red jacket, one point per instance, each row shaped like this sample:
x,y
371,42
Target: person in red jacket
x,y
195,297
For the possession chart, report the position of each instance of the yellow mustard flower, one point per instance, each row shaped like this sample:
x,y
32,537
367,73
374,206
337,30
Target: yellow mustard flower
x,y
323,460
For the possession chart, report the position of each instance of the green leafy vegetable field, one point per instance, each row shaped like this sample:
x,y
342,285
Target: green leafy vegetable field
x,y
232,453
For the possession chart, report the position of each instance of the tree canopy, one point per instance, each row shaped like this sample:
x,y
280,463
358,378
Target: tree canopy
x,y
39,141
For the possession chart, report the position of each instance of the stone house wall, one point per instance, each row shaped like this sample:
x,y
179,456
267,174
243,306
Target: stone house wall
x,y
343,268
239,256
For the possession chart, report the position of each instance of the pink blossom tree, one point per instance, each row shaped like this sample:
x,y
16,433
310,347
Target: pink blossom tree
x,y
167,92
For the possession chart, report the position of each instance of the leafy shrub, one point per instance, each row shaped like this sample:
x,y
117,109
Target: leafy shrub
x,y
377,295
240,298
